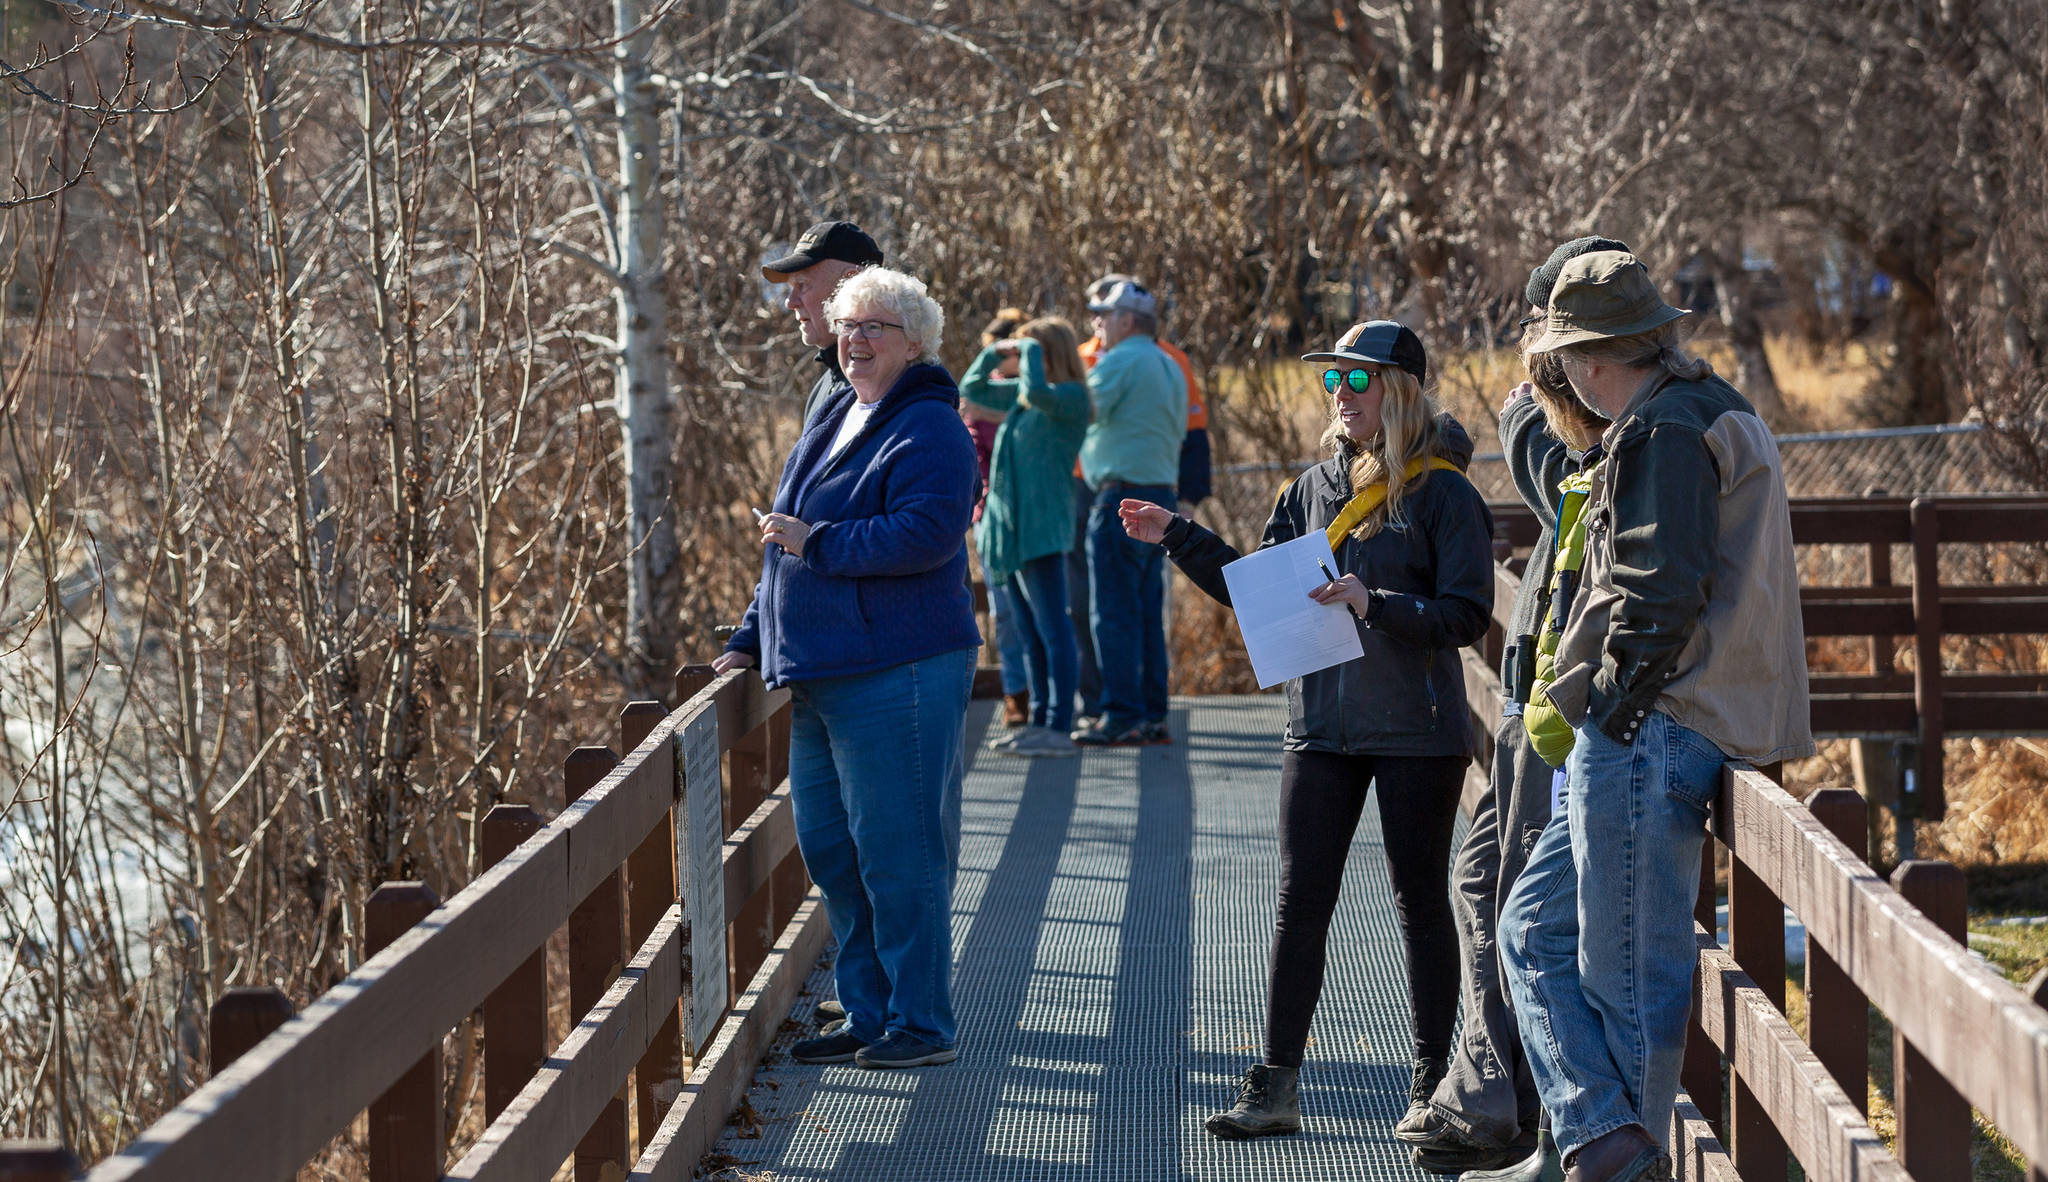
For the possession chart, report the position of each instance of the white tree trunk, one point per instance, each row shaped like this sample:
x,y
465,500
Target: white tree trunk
x,y
646,407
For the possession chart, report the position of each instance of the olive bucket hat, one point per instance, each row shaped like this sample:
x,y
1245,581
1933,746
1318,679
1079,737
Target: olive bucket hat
x,y
1600,296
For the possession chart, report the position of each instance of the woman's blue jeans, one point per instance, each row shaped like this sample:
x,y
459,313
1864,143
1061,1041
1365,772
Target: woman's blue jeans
x,y
1037,593
1598,931
875,765
1010,642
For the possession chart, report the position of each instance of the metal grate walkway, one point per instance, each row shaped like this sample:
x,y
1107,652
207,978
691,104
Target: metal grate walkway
x,y
1111,926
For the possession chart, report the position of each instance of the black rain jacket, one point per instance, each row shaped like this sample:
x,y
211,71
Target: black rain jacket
x,y
1406,695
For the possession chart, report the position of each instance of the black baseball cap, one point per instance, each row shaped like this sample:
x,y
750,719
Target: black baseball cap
x,y
827,240
1383,342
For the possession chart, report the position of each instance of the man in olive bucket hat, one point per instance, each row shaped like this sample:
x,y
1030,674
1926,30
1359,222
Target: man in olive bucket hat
x,y
1682,652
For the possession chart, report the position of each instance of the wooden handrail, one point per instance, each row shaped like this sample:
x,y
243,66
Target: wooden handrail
x,y
278,1105
1982,1034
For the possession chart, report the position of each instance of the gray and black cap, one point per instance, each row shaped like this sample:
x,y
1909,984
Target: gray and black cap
x,y
1382,342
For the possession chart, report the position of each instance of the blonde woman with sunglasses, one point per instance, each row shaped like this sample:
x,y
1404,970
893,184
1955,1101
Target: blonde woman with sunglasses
x,y
1413,543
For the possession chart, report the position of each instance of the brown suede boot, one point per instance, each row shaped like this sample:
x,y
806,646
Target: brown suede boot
x,y
1628,1154
1016,709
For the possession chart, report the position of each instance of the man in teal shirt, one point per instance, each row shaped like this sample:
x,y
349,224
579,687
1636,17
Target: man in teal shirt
x,y
1131,451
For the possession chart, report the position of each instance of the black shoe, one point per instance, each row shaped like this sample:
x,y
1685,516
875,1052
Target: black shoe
x,y
1099,735
839,1044
1421,1123
1544,1165
897,1049
1156,734
1268,1105
1452,1152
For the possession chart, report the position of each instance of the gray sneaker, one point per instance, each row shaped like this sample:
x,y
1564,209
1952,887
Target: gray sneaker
x,y
897,1050
1041,742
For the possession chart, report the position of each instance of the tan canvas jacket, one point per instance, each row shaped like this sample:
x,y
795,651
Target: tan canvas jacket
x,y
1691,590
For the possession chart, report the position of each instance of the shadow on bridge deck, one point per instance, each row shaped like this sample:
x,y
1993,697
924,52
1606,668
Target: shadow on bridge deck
x,y
1110,927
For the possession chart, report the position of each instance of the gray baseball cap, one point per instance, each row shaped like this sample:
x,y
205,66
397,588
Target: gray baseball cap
x,y
1126,297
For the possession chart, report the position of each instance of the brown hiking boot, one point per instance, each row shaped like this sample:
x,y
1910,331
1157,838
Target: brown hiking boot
x,y
1625,1155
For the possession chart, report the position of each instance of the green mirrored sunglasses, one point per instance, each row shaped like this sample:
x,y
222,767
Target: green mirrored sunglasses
x,y
1357,379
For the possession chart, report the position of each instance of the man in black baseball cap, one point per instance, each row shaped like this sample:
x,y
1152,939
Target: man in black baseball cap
x,y
826,254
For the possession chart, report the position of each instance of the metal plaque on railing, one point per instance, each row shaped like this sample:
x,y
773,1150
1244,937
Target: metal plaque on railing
x,y
700,845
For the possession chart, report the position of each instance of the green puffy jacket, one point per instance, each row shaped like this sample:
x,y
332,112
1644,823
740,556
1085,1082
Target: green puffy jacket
x,y
1549,733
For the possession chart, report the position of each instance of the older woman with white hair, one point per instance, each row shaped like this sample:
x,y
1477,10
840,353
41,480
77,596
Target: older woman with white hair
x,y
863,612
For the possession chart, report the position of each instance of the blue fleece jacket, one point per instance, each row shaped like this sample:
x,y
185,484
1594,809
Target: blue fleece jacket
x,y
883,576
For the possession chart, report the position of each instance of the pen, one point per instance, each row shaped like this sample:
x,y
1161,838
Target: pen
x,y
1325,568
758,515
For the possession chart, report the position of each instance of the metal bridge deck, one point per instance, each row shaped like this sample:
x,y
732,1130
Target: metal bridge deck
x,y
1110,932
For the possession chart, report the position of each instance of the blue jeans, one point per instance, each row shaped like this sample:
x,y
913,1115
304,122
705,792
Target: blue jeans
x,y
1598,931
1078,600
1038,595
1127,588
875,765
1002,615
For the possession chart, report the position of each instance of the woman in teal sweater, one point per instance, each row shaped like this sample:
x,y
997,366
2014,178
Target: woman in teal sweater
x,y
1027,524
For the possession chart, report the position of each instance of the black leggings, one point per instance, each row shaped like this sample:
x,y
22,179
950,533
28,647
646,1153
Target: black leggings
x,y
1321,797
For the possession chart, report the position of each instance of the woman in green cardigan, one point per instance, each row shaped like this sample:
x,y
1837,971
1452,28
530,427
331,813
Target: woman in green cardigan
x,y
1027,524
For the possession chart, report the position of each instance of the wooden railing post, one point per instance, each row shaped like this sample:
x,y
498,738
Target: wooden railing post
x,y
792,882
650,892
1934,1119
408,1142
1700,1073
753,927
37,1161
1877,761
243,1017
1929,800
516,1012
1756,939
1837,1013
691,680
2038,990
596,957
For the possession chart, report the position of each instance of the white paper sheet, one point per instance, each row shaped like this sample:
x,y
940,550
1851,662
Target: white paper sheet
x,y
1286,633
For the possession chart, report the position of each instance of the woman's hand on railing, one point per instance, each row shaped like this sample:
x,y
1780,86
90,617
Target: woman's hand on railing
x,y
1144,521
729,661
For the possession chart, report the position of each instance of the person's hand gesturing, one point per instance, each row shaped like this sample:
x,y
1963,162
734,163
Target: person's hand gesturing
x,y
1144,521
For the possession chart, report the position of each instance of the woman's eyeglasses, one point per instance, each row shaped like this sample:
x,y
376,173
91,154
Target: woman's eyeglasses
x,y
863,328
1357,379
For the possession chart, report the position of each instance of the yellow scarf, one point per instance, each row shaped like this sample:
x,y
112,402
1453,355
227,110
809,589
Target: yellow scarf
x,y
1371,497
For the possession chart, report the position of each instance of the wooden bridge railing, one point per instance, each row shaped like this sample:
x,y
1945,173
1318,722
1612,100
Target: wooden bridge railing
x,y
284,1087
1963,1036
